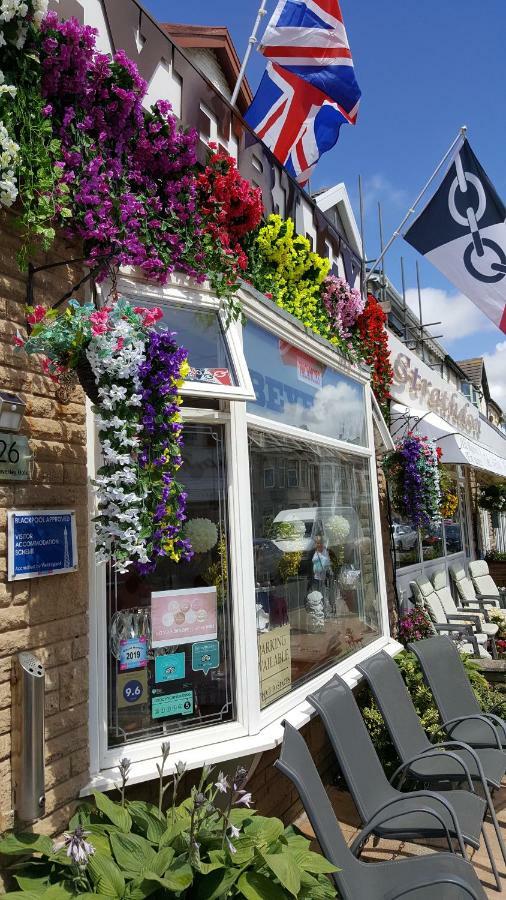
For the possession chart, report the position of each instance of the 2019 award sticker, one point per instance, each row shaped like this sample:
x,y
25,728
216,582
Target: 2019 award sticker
x,y
133,653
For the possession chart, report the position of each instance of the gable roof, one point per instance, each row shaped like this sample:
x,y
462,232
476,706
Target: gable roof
x,y
475,372
216,38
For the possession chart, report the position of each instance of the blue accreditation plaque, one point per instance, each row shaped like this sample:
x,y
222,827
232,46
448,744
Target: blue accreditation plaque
x,y
41,542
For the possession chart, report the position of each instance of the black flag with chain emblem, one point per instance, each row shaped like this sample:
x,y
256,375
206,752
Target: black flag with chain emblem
x,y
462,231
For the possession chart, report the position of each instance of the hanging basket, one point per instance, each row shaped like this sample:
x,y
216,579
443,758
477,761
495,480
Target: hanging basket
x,y
86,378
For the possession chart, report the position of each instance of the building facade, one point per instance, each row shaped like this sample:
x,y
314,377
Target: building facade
x,y
287,585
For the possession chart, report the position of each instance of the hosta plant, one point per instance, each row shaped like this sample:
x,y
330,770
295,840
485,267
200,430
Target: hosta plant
x,y
208,846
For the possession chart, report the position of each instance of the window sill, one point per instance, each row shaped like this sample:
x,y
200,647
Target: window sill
x,y
269,737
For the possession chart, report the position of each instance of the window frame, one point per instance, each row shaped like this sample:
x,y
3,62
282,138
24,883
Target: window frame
x,y
186,294
254,729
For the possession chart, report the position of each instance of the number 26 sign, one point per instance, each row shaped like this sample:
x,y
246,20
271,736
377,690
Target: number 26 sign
x,y
15,458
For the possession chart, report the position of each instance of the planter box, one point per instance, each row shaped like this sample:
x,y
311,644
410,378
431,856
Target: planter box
x,y
498,573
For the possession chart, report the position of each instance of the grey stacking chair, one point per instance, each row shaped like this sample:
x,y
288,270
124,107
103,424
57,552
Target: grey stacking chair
x,y
450,762
463,630
467,595
418,814
441,875
483,630
461,715
484,584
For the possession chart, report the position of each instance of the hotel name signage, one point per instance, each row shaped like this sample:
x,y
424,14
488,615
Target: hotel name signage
x,y
463,416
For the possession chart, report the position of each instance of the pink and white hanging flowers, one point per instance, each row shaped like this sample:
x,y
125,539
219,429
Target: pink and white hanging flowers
x,y
343,303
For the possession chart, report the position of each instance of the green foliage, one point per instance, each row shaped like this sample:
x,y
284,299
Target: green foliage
x,y
489,700
196,849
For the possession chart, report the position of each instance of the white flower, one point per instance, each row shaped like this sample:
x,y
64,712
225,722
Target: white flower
x,y
202,534
9,151
338,529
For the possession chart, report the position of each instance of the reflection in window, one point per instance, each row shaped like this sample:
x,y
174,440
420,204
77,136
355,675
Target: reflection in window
x,y
170,664
315,566
405,541
200,332
294,388
432,541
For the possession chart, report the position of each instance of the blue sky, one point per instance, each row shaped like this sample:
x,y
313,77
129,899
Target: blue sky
x,y
424,70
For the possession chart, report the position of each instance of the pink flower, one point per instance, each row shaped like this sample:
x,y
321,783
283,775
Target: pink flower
x,y
149,316
37,315
18,340
99,320
120,343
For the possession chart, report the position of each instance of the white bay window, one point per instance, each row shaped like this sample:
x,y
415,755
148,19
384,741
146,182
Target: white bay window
x,y
284,587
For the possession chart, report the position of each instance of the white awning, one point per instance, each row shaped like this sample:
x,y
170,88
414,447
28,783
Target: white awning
x,y
455,446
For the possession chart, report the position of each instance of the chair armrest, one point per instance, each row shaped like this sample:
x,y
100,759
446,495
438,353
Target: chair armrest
x,y
482,603
475,621
375,822
487,597
500,722
466,630
480,717
434,751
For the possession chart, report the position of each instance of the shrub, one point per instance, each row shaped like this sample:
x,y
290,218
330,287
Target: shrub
x,y
198,848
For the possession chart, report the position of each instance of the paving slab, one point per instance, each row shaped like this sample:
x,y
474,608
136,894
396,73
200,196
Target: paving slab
x,y
384,850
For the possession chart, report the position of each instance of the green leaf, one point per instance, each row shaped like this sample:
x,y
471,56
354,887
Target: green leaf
x,y
26,843
132,852
313,862
106,876
113,811
25,895
320,888
255,886
217,884
285,869
162,860
57,892
240,815
264,830
148,819
175,879
35,882
175,830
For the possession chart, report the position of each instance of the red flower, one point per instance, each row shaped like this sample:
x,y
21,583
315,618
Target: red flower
x,y
374,345
36,315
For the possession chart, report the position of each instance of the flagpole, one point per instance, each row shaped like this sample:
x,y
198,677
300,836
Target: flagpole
x,y
455,146
251,42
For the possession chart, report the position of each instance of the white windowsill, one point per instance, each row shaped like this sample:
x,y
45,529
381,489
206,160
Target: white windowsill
x,y
269,737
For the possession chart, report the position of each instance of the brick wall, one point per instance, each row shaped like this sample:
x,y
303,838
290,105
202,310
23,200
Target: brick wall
x,y
46,615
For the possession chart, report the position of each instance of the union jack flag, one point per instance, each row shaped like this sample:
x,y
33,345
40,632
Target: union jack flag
x,y
309,88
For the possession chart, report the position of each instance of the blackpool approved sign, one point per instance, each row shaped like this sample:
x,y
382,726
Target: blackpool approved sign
x,y
41,542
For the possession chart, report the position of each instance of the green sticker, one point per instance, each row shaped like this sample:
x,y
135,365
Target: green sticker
x,y
205,656
180,704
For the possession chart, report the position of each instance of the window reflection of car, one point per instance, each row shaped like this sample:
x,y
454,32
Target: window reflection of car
x,y
404,537
453,538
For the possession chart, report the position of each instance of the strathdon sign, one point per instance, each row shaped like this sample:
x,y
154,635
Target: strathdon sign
x,y
415,385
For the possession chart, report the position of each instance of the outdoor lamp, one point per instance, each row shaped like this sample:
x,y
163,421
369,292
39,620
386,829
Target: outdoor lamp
x,y
11,411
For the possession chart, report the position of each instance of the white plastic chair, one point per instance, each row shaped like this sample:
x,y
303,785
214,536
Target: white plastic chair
x,y
485,630
467,634
484,584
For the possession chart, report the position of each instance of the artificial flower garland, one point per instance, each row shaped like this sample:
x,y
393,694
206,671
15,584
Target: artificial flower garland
x,y
413,473
138,372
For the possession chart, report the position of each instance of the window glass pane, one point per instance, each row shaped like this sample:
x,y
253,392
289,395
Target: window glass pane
x,y
432,541
294,388
406,543
200,332
315,565
168,629
451,509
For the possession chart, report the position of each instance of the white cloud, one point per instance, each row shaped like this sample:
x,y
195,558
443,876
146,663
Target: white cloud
x,y
458,316
495,365
378,189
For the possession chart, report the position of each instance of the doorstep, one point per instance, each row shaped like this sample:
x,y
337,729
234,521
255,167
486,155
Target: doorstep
x,y
385,850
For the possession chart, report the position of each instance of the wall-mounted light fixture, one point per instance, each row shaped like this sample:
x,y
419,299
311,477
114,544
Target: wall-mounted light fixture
x,y
12,409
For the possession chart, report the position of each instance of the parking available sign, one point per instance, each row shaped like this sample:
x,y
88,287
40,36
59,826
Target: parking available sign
x,y
41,542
